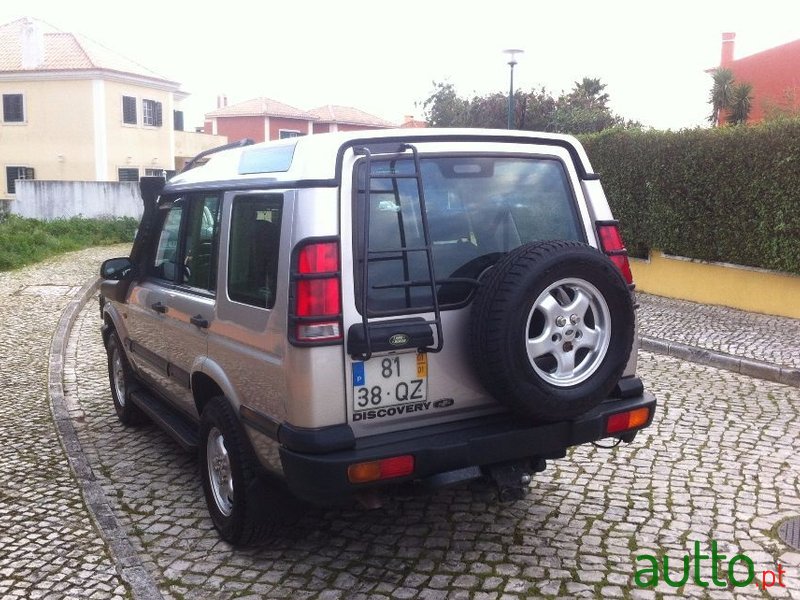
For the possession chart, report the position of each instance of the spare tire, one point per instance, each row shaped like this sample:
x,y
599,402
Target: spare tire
x,y
552,327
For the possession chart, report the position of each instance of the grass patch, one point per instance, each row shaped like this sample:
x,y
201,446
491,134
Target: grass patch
x,y
25,241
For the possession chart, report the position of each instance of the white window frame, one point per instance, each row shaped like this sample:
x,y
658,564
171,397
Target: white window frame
x,y
153,104
296,132
148,106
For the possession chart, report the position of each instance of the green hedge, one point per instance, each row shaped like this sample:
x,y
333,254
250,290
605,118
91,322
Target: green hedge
x,y
730,194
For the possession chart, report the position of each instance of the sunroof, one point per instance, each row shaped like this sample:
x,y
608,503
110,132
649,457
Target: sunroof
x,y
273,159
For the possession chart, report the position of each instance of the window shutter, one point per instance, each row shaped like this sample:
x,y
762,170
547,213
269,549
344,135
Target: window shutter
x,y
11,176
177,120
13,108
159,117
129,110
29,173
128,174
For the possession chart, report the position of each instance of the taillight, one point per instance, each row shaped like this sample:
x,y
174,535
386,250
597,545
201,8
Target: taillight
x,y
316,311
611,244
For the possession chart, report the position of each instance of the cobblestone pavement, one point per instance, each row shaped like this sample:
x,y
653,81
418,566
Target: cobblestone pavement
x,y
766,338
49,547
721,462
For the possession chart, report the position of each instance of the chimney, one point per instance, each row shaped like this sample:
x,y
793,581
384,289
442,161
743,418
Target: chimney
x,y
728,40
222,101
32,44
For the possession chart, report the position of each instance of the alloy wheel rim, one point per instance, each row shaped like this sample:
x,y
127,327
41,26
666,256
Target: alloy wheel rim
x,y
118,371
567,332
219,472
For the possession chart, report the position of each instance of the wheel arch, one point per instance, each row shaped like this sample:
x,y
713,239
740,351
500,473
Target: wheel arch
x,y
209,381
112,321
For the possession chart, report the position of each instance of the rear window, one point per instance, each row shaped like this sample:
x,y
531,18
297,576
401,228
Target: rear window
x,y
478,208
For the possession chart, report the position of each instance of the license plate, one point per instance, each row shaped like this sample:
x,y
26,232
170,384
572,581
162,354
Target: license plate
x,y
389,382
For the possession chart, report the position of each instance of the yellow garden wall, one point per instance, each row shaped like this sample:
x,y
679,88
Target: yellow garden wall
x,y
754,290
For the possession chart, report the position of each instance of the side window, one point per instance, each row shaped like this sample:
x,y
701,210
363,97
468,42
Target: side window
x,y
200,255
166,257
253,254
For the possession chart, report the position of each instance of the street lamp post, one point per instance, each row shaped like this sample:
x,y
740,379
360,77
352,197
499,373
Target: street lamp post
x,y
512,60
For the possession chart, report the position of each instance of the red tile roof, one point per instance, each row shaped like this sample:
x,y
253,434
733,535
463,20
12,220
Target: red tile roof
x,y
347,115
261,107
65,52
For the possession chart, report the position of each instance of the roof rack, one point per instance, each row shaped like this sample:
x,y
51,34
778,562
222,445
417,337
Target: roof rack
x,y
204,153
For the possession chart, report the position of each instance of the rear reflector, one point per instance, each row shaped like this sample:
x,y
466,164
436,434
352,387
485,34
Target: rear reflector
x,y
630,419
387,468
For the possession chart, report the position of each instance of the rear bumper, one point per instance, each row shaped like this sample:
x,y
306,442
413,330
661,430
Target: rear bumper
x,y
321,478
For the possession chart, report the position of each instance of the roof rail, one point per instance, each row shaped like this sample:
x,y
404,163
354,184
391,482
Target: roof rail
x,y
204,153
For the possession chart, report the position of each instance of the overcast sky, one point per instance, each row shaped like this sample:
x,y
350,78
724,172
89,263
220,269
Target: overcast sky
x,y
383,56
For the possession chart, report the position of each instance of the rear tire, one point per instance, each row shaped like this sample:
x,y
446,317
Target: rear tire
x,y
243,507
123,382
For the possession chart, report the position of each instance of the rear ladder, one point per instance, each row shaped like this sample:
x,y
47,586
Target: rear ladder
x,y
404,249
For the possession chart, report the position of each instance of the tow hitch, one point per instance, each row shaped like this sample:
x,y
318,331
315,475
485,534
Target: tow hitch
x,y
512,479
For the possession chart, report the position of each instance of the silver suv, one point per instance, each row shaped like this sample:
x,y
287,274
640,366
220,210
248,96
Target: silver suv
x,y
343,313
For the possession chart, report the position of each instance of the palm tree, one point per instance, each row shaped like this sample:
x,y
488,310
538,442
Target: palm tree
x,y
721,93
740,103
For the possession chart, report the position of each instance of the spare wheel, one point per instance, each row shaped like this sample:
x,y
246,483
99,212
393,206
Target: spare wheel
x,y
552,328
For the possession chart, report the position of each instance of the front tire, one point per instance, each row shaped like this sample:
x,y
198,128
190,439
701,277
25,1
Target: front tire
x,y
123,382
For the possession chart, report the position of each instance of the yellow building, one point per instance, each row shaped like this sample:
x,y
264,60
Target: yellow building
x,y
74,110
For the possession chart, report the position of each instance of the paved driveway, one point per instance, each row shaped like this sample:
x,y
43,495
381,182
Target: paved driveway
x,y
48,544
721,464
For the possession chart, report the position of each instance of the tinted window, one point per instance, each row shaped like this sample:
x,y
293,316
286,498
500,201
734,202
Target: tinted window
x,y
165,265
199,262
253,253
477,209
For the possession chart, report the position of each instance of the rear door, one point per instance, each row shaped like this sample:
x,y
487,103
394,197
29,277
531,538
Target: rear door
x,y
478,207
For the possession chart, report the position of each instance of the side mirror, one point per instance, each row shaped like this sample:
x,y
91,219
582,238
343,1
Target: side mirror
x,y
116,269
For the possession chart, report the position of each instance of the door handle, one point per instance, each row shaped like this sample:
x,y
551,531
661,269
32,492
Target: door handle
x,y
159,307
199,321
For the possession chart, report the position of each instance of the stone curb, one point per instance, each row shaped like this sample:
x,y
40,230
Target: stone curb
x,y
128,564
722,360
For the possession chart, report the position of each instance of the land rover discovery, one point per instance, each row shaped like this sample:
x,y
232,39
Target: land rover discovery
x,y
349,312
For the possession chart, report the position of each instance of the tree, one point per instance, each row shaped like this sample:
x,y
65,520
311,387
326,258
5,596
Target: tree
x,y
741,103
730,101
588,94
444,108
584,109
721,91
